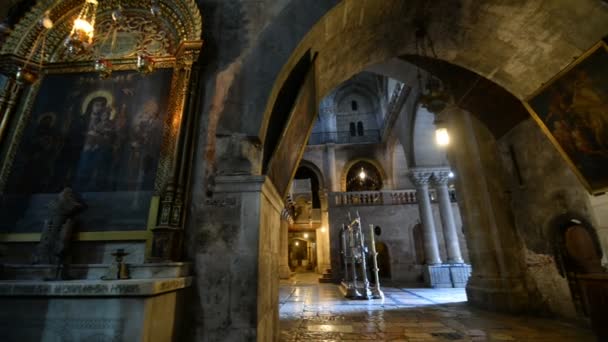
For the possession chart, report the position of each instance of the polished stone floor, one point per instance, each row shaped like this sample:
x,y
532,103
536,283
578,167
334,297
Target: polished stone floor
x,y
318,312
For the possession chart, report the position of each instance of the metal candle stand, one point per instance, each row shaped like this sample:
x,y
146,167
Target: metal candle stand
x,y
376,292
354,258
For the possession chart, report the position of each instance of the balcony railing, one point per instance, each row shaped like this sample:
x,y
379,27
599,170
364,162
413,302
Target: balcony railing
x,y
386,197
370,136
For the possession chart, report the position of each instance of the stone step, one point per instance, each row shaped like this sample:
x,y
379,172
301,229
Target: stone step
x,y
326,277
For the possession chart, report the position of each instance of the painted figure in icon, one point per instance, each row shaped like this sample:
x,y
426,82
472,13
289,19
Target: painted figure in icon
x,y
578,119
99,144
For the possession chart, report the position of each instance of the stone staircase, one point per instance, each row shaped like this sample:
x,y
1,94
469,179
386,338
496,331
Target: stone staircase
x,y
326,277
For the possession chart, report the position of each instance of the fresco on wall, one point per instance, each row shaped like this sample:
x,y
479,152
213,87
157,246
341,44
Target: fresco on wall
x,y
572,110
100,137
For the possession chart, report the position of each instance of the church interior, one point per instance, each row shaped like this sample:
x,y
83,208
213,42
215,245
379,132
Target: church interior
x,y
303,170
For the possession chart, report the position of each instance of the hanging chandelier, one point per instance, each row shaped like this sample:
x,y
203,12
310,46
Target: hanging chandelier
x,y
433,93
83,31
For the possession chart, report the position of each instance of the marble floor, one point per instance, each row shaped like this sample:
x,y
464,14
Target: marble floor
x,y
317,312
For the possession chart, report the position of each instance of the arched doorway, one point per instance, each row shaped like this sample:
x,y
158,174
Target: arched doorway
x,y
578,253
419,244
384,260
301,253
305,172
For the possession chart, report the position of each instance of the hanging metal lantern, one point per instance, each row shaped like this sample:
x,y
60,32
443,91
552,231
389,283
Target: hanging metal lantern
x,y
25,76
434,97
103,67
145,64
82,33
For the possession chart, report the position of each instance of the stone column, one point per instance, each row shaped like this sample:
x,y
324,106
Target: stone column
x,y
421,179
284,270
331,167
498,279
323,260
440,180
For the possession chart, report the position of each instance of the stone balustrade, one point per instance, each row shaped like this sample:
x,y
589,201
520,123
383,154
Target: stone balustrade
x,y
384,197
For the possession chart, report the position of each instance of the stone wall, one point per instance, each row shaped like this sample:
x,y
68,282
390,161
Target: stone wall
x,y
543,188
397,223
236,251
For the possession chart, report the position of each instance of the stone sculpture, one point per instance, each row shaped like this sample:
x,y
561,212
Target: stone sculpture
x,y
57,233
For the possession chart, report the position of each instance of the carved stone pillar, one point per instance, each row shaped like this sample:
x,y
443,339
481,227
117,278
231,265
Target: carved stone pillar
x,y
498,280
440,180
421,179
323,260
284,270
237,260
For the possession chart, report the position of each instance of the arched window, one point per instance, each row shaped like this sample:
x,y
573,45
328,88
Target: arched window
x,y
354,105
363,176
353,129
360,128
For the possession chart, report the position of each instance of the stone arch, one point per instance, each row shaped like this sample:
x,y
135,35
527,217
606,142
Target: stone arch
x,y
317,171
356,88
399,166
352,162
425,151
516,64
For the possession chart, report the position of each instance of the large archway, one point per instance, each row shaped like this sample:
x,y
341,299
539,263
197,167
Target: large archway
x,y
515,60
506,43
378,35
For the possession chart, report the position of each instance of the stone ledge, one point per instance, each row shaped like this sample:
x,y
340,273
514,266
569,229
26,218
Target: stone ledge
x,y
95,271
92,288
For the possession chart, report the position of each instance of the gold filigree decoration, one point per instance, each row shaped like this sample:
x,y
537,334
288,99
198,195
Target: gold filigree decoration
x,y
180,21
139,33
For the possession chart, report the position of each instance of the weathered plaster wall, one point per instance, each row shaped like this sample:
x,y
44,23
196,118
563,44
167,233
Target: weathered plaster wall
x,y
246,44
600,211
547,189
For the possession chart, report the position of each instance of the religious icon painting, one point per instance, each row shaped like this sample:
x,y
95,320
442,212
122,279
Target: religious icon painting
x,y
102,138
572,110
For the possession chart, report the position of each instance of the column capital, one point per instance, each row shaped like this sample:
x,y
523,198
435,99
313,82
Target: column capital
x,y
441,177
421,176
